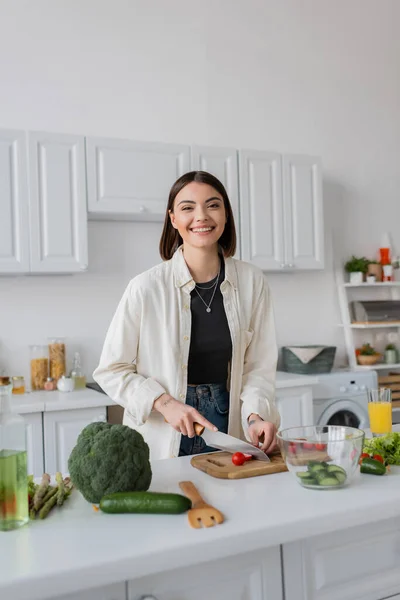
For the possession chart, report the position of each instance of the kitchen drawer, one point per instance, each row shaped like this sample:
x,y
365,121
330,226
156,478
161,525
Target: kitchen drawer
x,y
362,563
116,591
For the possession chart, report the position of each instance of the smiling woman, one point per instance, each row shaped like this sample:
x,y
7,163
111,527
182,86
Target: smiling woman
x,y
193,339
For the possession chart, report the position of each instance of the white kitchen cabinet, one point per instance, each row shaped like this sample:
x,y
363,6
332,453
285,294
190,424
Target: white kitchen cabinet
x,y
61,431
295,406
360,563
58,212
250,576
131,180
14,215
303,212
281,211
223,163
261,209
34,443
116,591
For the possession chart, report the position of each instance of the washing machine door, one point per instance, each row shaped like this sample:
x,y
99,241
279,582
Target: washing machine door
x,y
344,412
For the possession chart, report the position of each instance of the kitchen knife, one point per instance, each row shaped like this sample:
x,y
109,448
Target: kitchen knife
x,y
222,441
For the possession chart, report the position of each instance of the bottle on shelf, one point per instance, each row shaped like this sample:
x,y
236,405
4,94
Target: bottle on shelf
x,y
385,258
77,374
14,508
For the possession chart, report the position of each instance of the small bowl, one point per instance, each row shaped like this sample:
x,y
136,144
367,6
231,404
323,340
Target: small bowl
x,y
368,359
322,457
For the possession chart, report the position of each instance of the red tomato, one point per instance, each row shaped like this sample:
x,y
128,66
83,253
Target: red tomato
x,y
308,446
238,459
248,456
320,446
378,457
363,455
292,448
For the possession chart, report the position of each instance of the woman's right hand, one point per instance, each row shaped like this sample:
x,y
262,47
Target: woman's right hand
x,y
181,416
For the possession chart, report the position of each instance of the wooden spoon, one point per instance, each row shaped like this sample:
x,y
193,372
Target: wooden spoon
x,y
201,514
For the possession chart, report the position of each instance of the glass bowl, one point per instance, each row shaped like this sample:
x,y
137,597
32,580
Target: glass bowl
x,y
322,457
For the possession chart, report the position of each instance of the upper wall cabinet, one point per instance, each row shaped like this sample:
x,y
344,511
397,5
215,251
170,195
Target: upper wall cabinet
x,y
43,230
131,180
223,163
14,215
58,216
281,211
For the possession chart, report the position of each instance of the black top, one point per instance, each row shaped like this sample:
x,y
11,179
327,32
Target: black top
x,y
211,345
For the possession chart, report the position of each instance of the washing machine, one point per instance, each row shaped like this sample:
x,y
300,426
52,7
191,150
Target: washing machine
x,y
340,398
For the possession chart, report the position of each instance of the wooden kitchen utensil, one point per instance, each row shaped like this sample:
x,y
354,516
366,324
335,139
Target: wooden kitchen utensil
x,y
201,514
219,464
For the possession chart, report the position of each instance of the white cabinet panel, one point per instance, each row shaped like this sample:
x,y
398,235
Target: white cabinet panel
x,y
131,180
303,212
116,591
61,431
14,214
361,563
58,209
223,164
261,209
251,576
295,406
34,443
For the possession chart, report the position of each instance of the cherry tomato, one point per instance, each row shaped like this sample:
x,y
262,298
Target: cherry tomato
x,y
292,448
238,459
308,446
363,455
320,446
378,457
248,456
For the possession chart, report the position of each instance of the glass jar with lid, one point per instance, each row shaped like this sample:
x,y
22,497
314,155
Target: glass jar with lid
x,y
39,366
57,361
18,384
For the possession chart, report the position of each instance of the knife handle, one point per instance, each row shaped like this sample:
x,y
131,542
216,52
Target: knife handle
x,y
198,429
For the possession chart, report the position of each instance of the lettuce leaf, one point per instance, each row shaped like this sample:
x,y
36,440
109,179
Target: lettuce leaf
x,y
388,446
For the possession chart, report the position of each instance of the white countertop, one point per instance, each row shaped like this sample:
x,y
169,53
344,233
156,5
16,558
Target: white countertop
x,y
77,548
42,401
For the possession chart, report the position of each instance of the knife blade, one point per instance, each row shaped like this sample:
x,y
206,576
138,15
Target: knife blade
x,y
223,441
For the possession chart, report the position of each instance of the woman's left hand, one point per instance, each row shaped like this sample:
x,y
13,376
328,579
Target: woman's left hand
x,y
264,432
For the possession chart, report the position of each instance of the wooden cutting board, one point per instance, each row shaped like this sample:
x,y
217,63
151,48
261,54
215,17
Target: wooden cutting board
x,y
219,464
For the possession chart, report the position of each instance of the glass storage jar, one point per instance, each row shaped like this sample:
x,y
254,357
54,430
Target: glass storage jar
x,y
18,382
57,358
39,367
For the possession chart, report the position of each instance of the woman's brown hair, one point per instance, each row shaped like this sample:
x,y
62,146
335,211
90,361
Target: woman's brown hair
x,y
170,238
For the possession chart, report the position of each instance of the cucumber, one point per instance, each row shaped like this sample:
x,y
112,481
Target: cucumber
x,y
336,469
341,477
145,502
314,467
328,480
304,475
372,467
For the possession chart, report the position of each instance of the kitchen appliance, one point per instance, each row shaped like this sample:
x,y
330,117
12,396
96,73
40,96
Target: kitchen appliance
x,y
375,311
219,465
340,398
223,441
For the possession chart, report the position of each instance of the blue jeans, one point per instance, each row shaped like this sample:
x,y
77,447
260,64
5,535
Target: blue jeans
x,y
212,401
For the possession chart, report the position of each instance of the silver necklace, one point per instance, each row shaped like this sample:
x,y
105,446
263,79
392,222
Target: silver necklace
x,y
215,285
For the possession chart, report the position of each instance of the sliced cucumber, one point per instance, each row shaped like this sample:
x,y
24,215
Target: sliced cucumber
x,y
336,469
304,475
341,477
328,480
315,467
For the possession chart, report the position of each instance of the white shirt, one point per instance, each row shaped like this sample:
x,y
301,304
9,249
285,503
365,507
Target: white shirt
x,y
145,353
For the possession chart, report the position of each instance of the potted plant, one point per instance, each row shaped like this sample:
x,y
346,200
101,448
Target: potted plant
x,y
390,354
374,268
367,355
357,267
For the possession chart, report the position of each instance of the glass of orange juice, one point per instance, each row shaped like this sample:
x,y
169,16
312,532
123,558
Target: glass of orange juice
x,y
380,411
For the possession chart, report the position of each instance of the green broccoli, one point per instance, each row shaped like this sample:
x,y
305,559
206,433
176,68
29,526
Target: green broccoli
x,y
109,458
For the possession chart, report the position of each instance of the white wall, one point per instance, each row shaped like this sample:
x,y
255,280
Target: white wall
x,y
311,76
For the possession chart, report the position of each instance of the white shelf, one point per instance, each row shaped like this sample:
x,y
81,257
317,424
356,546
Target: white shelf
x,y
377,366
374,325
371,285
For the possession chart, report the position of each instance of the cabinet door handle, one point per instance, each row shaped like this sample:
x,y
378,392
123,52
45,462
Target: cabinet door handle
x,y
147,598
83,267
283,265
142,209
290,265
